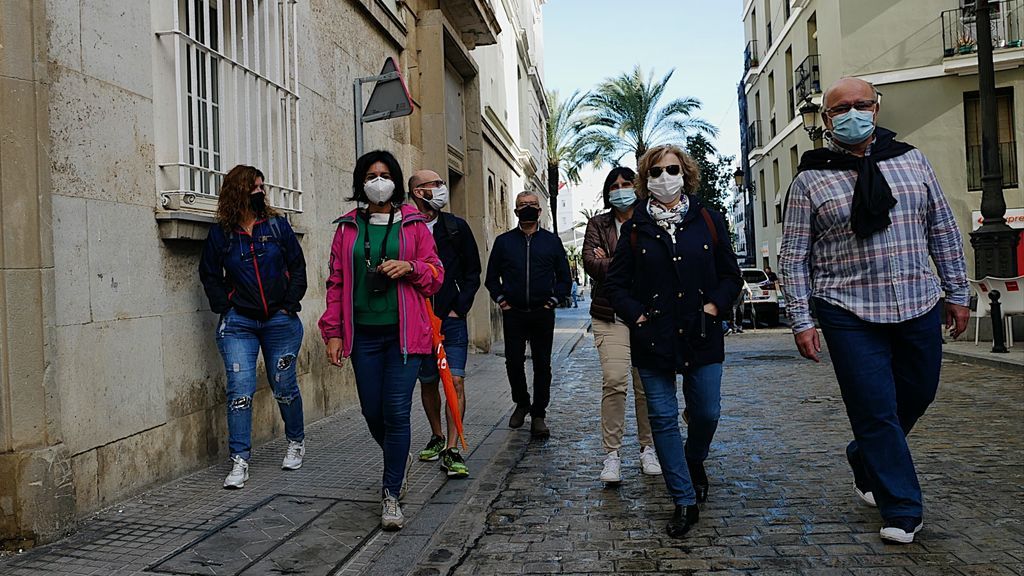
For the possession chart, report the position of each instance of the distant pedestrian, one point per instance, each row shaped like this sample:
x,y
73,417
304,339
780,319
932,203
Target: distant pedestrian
x,y
575,292
382,268
773,278
527,276
862,217
457,249
673,277
611,334
254,275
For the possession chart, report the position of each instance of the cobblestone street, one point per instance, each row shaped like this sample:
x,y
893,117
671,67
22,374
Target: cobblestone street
x,y
782,499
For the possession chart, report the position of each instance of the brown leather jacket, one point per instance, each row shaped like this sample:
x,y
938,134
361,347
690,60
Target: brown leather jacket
x,y
600,234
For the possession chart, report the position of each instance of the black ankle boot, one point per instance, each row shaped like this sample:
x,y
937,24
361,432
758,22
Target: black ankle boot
x,y
699,478
682,519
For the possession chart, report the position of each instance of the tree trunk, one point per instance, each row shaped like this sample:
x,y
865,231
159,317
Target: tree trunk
x,y
553,195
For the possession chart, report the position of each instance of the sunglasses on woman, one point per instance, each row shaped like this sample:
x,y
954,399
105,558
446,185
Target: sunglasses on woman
x,y
655,171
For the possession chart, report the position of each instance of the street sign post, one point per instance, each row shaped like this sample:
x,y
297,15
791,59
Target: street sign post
x,y
390,99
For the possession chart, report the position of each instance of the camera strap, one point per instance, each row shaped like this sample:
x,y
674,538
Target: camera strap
x,y
383,242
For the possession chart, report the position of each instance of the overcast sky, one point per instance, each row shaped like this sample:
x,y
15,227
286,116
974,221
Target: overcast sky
x,y
586,41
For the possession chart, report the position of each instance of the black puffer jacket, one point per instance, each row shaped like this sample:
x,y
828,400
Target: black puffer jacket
x,y
670,283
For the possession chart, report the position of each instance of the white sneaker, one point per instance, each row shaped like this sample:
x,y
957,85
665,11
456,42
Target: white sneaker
x,y
293,457
239,473
649,461
612,473
405,480
866,497
391,517
901,531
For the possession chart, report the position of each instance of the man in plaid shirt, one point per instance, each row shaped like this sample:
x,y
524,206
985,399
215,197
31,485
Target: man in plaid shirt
x,y
862,217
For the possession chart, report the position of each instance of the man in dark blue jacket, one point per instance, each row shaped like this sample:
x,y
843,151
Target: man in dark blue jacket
x,y
528,275
457,250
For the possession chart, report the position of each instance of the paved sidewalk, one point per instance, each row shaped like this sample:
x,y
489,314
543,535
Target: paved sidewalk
x,y
322,519
781,499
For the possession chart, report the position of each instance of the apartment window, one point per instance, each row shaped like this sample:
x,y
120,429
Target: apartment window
x,y
233,99
764,200
787,8
790,90
1005,136
771,103
778,191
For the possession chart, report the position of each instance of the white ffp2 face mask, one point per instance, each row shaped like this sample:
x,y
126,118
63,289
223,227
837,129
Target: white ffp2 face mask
x,y
666,188
439,198
379,190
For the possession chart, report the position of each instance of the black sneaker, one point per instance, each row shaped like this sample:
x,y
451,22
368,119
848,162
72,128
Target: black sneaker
x,y
682,519
453,464
900,530
433,450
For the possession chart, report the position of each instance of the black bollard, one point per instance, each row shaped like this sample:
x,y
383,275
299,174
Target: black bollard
x,y
996,312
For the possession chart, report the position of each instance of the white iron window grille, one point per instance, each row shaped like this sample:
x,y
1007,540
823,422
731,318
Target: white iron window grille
x,y
235,84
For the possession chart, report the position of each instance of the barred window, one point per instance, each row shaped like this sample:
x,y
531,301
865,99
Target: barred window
x,y
232,98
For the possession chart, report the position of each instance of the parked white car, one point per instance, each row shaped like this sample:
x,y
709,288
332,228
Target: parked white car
x,y
764,296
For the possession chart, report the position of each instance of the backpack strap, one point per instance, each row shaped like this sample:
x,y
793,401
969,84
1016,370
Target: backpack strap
x,y
711,227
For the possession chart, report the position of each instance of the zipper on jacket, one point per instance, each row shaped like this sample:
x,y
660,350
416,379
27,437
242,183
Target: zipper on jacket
x,y
403,324
528,307
259,281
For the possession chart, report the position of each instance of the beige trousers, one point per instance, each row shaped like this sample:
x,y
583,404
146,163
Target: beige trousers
x,y
612,341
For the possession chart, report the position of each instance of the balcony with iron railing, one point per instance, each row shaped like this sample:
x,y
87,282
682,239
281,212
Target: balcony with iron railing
x,y
1007,161
808,78
751,58
960,31
754,136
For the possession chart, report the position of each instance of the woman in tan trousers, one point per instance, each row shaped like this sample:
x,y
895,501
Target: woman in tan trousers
x,y
611,335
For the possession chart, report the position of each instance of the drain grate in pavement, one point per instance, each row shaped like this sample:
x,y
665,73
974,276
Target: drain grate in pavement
x,y
284,534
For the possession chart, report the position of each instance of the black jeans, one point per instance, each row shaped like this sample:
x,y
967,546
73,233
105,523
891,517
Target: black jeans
x,y
537,327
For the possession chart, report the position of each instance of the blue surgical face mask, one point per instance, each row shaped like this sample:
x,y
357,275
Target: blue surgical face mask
x,y
622,198
853,127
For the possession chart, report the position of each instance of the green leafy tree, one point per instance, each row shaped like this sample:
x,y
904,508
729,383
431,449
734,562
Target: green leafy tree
x,y
715,172
571,144
627,110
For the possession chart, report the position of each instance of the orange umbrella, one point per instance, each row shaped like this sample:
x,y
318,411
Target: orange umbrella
x,y
450,395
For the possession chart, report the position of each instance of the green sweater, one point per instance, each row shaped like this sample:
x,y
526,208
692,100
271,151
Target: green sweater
x,y
375,309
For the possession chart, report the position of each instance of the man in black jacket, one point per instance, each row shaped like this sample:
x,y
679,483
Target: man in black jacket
x,y
457,250
527,276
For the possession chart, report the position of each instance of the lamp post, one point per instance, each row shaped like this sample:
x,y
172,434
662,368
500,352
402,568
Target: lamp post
x,y
994,243
810,113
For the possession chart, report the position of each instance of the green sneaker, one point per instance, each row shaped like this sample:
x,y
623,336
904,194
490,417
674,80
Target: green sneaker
x,y
433,450
452,462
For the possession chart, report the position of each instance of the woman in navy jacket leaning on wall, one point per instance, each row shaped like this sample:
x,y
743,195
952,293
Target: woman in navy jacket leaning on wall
x,y
673,276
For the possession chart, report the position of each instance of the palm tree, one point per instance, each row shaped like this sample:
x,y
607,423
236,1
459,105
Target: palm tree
x,y
626,108
571,144
588,213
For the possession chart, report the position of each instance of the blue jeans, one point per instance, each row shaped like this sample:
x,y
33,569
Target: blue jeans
x,y
888,375
239,339
702,390
456,348
385,381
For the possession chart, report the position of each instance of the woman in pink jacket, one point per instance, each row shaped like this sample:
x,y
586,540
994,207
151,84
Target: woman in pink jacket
x,y
383,266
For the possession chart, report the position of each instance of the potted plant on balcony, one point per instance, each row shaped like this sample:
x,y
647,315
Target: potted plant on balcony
x,y
965,44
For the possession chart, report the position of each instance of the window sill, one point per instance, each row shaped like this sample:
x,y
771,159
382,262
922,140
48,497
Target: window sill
x,y
181,225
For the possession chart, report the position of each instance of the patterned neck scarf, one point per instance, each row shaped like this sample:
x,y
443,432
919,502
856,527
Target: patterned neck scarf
x,y
669,218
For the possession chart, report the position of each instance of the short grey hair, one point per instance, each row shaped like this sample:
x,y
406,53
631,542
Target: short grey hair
x,y
824,97
526,193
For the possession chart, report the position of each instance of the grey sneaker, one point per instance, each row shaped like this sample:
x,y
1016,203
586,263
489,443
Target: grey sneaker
x,y
391,517
293,457
239,473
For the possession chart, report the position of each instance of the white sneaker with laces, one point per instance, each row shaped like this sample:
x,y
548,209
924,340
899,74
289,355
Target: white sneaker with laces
x,y
391,517
239,473
405,480
649,461
612,472
293,457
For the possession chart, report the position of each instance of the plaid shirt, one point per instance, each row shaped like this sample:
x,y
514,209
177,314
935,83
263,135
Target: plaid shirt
x,y
885,278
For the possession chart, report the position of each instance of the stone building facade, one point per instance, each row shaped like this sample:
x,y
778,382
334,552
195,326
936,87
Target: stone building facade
x,y
119,120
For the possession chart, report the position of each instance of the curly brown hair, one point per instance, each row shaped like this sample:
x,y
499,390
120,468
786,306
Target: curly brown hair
x,y
691,173
233,202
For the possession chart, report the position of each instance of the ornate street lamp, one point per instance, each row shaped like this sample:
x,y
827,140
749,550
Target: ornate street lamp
x,y
810,114
737,177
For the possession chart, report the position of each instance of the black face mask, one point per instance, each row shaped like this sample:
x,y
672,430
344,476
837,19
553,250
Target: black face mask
x,y
528,214
258,203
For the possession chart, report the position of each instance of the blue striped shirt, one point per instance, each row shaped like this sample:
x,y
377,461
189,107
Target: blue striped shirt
x,y
885,278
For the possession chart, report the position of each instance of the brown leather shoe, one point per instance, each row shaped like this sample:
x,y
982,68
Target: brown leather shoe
x,y
519,416
538,428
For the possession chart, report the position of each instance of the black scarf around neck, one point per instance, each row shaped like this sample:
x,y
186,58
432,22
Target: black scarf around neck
x,y
872,196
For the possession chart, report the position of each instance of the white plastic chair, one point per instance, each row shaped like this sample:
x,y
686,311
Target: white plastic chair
x,y
1011,300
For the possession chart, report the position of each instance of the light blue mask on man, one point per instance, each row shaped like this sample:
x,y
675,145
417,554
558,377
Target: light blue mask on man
x,y
622,198
853,127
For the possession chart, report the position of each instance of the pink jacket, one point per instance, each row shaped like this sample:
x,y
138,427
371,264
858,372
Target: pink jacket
x,y
416,245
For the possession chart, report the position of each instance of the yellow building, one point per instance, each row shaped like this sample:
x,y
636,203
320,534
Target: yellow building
x,y
920,54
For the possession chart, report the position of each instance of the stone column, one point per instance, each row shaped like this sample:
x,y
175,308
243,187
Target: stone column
x,y
37,497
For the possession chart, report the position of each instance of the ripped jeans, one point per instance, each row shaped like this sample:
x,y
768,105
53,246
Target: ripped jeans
x,y
239,340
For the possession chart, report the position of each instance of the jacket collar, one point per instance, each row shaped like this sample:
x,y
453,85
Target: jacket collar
x,y
642,217
410,215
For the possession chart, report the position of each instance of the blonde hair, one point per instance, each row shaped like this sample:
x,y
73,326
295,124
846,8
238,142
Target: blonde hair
x,y
690,171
